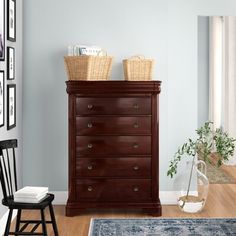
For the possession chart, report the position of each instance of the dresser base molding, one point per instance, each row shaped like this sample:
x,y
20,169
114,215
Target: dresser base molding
x,y
166,197
73,209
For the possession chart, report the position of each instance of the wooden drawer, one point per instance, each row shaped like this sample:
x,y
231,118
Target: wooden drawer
x,y
113,125
113,167
113,189
113,106
105,145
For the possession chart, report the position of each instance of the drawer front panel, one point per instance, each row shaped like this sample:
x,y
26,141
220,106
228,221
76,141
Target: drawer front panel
x,y
113,189
113,167
86,145
113,106
113,125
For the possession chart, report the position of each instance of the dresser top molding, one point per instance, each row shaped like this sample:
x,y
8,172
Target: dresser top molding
x,y
113,86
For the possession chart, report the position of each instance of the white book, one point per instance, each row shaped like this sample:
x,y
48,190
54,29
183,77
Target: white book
x,y
29,200
30,191
31,197
93,50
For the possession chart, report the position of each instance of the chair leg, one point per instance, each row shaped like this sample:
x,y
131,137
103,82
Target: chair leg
x,y
43,223
54,224
18,220
8,225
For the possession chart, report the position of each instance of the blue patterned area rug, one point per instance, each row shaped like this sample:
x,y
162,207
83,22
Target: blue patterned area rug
x,y
163,227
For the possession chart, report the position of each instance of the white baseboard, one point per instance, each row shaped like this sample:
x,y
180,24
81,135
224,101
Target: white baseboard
x,y
166,197
60,197
3,221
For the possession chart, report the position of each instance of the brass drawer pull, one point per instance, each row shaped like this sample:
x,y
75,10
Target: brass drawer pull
x,y
135,145
136,168
90,189
136,189
90,125
90,106
136,106
136,125
90,167
90,145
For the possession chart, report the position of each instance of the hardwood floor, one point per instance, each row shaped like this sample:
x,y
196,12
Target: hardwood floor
x,y
220,203
230,170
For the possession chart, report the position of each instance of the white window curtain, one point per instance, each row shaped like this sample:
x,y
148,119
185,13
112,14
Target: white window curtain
x,y
222,86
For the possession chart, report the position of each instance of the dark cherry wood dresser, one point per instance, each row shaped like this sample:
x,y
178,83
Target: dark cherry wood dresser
x,y
113,145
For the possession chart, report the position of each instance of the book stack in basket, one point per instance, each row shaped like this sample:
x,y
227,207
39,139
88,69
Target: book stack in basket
x,y
30,194
87,63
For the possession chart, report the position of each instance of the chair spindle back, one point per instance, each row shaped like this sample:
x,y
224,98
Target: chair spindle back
x,y
8,175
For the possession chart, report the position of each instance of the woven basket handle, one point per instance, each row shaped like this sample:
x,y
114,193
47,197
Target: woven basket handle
x,y
102,52
139,57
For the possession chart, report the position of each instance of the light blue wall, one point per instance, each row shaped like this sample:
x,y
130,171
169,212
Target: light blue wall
x,y
17,131
203,69
165,30
124,28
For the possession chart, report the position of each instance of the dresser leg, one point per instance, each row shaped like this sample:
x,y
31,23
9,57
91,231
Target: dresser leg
x,y
152,211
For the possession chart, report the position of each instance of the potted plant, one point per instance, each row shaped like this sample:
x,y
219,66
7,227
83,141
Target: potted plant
x,y
208,142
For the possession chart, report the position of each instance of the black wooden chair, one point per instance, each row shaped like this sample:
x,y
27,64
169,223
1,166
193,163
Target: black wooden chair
x,y
8,177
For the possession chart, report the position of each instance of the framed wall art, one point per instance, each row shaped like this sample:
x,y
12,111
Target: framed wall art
x,y
1,98
11,20
2,30
11,106
10,63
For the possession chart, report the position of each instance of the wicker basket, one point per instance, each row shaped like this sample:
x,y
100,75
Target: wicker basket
x,y
138,68
88,67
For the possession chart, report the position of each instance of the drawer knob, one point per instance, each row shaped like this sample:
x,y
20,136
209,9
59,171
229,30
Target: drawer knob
x,y
90,189
136,168
136,125
90,125
90,167
136,189
135,145
90,106
136,106
90,145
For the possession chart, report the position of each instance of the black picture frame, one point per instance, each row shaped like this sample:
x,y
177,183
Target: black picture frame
x,y
11,106
10,63
2,30
11,20
2,97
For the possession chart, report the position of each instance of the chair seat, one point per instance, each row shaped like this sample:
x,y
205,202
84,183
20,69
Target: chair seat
x,y
9,202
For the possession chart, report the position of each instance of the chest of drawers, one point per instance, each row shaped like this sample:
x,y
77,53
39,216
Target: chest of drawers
x,y
113,145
